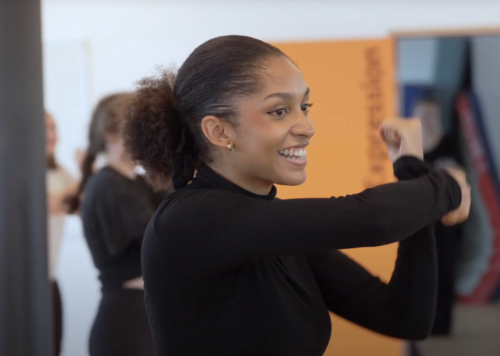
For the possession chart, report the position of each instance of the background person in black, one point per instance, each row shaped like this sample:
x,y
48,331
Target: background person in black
x,y
116,207
229,269
441,149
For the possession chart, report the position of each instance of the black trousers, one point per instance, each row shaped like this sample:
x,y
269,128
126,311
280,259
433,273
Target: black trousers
x,y
447,240
121,327
57,315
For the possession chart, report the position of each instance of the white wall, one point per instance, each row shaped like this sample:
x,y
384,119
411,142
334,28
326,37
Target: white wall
x,y
129,38
111,44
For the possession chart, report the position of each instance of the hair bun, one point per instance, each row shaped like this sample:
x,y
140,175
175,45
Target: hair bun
x,y
152,127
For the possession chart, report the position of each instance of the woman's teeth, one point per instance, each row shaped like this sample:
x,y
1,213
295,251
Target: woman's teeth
x,y
292,153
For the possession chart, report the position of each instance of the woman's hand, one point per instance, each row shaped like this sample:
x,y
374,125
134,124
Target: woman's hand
x,y
403,137
460,214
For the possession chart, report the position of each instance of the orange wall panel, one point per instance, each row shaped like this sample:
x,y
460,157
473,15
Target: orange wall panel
x,y
352,88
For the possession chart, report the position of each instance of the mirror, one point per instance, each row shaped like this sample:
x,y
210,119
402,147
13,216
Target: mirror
x,y
452,83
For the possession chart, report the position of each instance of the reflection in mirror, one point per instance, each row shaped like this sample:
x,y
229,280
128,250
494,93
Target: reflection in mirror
x,y
452,85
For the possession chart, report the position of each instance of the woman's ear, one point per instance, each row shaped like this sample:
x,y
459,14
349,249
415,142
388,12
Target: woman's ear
x,y
218,132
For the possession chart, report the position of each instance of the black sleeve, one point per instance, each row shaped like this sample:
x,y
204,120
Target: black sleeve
x,y
123,216
218,229
405,307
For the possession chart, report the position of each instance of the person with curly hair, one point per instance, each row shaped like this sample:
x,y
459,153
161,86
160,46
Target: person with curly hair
x,y
228,268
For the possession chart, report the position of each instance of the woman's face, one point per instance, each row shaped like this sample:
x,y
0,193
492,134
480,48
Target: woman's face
x,y
428,113
274,128
432,129
50,135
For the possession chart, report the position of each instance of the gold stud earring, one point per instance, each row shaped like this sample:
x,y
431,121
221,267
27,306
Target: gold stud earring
x,y
229,147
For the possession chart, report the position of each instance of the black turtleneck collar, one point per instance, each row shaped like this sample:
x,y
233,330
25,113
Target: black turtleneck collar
x,y
207,178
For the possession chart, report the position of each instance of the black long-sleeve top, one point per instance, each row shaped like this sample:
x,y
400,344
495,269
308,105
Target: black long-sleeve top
x,y
115,213
228,272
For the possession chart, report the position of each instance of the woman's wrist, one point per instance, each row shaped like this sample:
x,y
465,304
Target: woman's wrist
x,y
412,148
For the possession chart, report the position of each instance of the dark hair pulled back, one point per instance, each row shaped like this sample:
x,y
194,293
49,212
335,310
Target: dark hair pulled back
x,y
162,130
107,118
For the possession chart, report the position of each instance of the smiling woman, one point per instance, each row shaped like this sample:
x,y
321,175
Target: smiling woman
x,y
229,269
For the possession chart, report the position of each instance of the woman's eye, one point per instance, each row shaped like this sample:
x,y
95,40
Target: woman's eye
x,y
279,112
305,107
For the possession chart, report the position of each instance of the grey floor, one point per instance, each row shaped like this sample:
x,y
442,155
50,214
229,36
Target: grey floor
x,y
477,333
